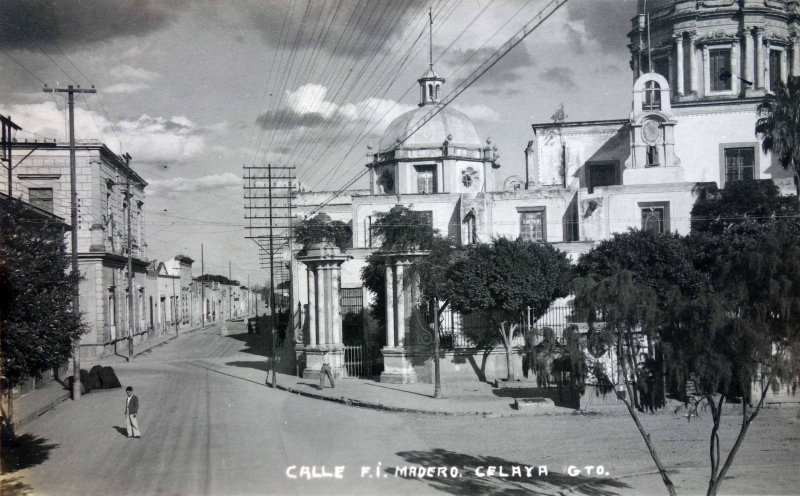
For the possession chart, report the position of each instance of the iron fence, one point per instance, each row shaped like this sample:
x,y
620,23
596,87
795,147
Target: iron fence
x,y
362,361
459,331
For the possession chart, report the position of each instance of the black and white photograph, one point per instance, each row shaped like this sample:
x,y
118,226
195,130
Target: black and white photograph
x,y
399,247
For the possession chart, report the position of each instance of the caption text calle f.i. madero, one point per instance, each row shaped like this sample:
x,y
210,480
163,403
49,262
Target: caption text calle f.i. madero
x,y
309,472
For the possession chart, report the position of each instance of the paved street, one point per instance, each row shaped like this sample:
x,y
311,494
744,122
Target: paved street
x,y
213,430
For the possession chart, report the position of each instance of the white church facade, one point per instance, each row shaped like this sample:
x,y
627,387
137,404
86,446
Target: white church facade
x,y
695,91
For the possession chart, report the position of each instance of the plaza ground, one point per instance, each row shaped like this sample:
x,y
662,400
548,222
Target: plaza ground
x,y
211,427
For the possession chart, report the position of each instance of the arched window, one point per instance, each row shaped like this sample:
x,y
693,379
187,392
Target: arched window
x,y
652,96
438,87
430,91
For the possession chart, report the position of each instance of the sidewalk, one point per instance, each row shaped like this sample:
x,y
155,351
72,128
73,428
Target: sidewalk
x,y
460,398
31,405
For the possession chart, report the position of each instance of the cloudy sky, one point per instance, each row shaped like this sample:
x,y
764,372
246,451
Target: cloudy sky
x,y
194,90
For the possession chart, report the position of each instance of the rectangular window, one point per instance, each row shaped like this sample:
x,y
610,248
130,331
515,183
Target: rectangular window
x,y
652,156
41,198
739,164
655,216
775,76
719,61
427,215
602,175
426,178
661,66
533,224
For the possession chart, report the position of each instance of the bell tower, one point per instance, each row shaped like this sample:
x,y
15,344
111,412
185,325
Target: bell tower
x,y
430,84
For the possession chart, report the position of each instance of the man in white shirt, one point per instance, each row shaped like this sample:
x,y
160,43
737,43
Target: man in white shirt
x,y
326,369
131,409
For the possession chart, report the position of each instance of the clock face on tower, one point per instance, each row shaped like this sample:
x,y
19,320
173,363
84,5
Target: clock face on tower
x,y
651,132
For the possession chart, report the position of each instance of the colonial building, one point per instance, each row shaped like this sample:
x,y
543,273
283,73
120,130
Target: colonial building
x,y
106,214
696,87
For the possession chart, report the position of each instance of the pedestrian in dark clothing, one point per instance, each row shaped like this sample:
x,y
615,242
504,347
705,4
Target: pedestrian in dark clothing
x,y
131,409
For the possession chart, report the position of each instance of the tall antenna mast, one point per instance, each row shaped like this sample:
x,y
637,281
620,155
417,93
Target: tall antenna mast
x,y
430,34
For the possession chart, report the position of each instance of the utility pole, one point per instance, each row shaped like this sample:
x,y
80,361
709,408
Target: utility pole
x,y
230,293
202,286
73,179
8,145
271,276
128,198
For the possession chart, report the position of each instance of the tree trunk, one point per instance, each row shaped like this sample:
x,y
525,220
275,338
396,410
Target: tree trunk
x,y
507,343
645,435
437,379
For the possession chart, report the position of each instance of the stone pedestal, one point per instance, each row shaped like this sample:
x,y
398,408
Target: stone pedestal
x,y
323,316
397,368
407,346
314,362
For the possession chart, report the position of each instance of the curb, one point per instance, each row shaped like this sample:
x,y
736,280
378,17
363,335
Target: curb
x,y
377,406
18,424
396,409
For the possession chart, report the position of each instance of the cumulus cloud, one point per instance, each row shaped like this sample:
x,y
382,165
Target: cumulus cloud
x,y
175,187
73,24
147,139
354,29
479,112
307,107
507,71
561,76
602,22
129,79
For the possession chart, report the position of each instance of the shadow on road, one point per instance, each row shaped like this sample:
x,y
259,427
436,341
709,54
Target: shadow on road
x,y
474,477
262,365
24,451
14,487
121,430
257,344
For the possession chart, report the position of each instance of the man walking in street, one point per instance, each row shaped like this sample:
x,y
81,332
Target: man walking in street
x,y
131,409
326,370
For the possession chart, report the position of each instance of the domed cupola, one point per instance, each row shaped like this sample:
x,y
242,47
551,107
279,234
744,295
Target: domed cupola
x,y
430,88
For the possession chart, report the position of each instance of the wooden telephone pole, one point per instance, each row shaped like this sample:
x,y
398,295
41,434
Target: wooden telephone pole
x,y
73,179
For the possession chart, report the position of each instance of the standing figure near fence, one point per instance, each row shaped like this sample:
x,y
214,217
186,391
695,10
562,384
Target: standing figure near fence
x,y
131,409
326,370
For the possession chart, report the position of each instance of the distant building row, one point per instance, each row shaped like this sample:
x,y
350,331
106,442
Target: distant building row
x,y
110,196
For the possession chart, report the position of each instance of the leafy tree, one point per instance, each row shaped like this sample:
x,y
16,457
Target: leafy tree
x,y
321,228
623,317
36,289
779,126
218,279
759,203
403,229
733,323
400,229
432,272
502,279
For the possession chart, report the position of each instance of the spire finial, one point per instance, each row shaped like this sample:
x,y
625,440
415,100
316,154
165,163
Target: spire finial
x,y
430,34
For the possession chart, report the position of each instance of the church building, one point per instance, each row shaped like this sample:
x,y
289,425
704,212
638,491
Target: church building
x,y
699,70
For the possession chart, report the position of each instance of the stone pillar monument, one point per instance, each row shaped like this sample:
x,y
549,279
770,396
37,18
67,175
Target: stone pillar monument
x,y
408,340
324,264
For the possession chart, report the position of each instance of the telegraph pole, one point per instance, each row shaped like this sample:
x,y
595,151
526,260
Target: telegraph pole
x,y
202,286
128,198
73,179
8,146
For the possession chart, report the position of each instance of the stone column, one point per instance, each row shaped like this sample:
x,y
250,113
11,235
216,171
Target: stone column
x,y
324,261
706,72
336,312
784,65
400,304
748,55
735,69
693,75
312,306
322,308
796,56
389,305
759,59
679,64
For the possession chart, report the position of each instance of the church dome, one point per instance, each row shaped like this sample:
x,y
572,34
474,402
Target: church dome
x,y
448,125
